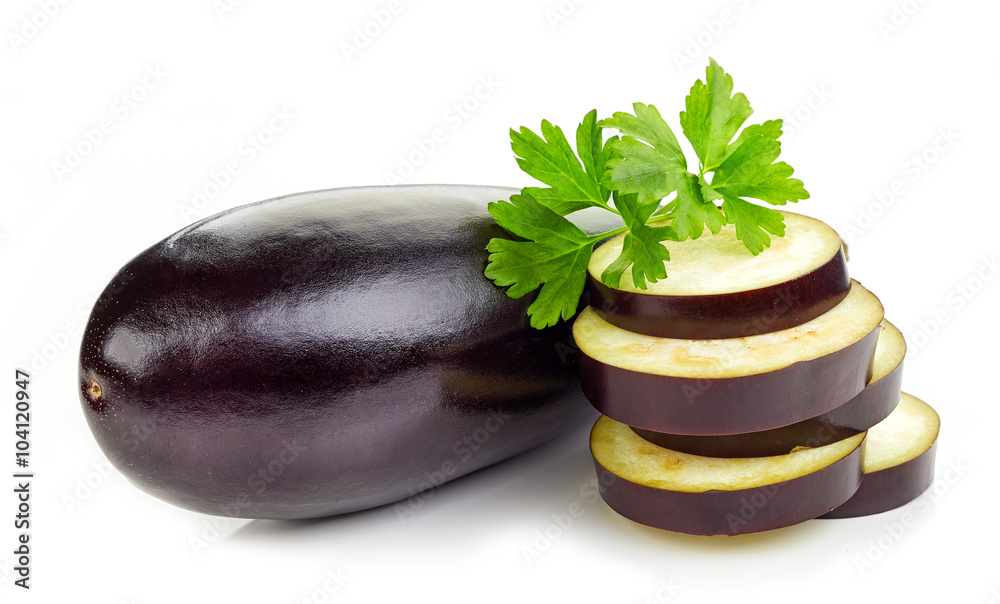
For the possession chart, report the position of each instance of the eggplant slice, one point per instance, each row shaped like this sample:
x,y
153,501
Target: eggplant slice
x,y
701,495
730,386
717,289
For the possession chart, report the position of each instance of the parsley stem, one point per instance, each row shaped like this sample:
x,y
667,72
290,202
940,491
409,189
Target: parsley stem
x,y
617,231
661,212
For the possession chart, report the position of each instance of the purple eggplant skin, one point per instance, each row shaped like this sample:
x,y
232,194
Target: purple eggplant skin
x,y
323,353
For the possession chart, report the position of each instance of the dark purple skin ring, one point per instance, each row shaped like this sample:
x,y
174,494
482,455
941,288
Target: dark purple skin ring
x,y
323,353
731,315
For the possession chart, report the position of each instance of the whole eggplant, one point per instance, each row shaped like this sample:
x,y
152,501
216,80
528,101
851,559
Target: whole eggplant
x,y
323,353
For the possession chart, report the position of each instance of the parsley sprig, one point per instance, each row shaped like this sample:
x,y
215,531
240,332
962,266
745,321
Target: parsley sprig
x,y
631,174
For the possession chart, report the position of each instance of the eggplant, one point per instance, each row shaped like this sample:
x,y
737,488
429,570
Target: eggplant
x,y
323,353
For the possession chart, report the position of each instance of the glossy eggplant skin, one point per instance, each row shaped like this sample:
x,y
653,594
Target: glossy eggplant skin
x,y
322,353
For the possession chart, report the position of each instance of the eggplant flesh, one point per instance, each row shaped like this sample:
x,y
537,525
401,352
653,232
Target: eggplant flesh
x,y
323,353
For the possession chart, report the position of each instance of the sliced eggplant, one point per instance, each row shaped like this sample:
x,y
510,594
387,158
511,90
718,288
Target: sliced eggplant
x,y
700,495
898,461
717,289
735,385
871,406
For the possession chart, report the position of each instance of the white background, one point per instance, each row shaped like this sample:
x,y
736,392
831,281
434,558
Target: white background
x,y
867,88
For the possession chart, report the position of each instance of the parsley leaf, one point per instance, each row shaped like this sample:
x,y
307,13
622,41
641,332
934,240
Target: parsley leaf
x,y
651,163
713,116
555,257
750,171
594,150
551,160
692,212
769,129
753,223
641,247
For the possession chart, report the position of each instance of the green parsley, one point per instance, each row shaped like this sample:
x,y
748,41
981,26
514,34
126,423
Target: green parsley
x,y
636,171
